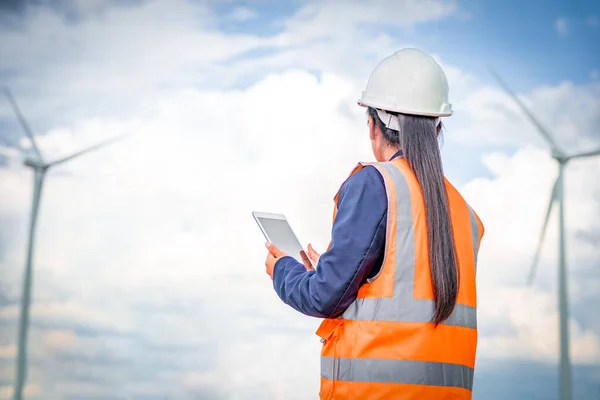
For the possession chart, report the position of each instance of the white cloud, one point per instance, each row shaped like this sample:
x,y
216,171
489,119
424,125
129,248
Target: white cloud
x,y
242,14
149,267
168,226
569,112
561,26
512,206
89,6
114,61
166,220
321,15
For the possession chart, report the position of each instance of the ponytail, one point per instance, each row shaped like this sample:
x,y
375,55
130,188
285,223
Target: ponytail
x,y
418,139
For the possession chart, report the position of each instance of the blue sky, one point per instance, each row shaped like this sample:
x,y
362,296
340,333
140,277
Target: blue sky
x,y
148,271
520,38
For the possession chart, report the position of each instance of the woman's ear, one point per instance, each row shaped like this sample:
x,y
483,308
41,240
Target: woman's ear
x,y
372,129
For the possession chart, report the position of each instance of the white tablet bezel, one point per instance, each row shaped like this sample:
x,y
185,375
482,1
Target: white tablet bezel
x,y
266,215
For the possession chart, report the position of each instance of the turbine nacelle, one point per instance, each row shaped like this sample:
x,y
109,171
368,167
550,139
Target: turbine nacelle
x,y
560,156
35,164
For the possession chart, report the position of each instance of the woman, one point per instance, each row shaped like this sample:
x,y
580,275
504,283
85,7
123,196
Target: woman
x,y
397,284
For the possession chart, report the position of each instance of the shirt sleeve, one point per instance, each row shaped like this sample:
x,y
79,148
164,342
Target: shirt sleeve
x,y
357,247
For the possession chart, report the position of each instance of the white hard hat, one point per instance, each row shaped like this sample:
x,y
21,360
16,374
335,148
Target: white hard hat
x,y
409,82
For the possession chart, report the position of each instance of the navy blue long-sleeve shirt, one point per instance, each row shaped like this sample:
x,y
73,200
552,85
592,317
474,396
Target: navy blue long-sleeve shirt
x,y
356,251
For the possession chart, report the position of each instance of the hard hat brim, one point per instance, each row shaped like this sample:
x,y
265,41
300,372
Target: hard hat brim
x,y
403,111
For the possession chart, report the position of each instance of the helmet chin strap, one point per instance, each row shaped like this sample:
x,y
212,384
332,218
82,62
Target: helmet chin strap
x,y
392,122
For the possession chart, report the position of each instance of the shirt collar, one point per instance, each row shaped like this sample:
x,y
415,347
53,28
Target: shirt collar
x,y
398,154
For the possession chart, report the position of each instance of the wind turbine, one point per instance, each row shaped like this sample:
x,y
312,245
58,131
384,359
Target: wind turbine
x,y
40,167
556,196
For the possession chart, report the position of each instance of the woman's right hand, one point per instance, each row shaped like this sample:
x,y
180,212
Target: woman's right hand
x,y
311,259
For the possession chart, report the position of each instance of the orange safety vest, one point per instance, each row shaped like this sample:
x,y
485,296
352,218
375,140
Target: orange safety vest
x,y
383,345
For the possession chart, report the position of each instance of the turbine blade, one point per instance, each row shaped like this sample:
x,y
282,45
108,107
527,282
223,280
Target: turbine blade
x,y
87,150
535,122
587,154
23,122
543,234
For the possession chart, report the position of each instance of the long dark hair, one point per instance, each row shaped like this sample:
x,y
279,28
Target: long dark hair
x,y
418,139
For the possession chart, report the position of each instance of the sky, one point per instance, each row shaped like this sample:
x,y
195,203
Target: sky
x,y
149,268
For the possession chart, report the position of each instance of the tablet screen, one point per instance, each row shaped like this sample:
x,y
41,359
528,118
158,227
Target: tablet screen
x,y
279,232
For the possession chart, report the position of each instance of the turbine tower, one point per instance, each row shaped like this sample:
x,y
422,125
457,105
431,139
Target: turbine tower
x,y
40,167
556,196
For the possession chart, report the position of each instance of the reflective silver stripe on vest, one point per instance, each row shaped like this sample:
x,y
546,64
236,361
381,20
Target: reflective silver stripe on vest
x,y
402,306
474,234
397,371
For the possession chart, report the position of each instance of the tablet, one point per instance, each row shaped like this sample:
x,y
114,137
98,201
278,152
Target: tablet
x,y
278,231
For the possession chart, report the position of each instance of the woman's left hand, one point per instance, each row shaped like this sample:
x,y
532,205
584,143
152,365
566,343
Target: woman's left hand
x,y
272,257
